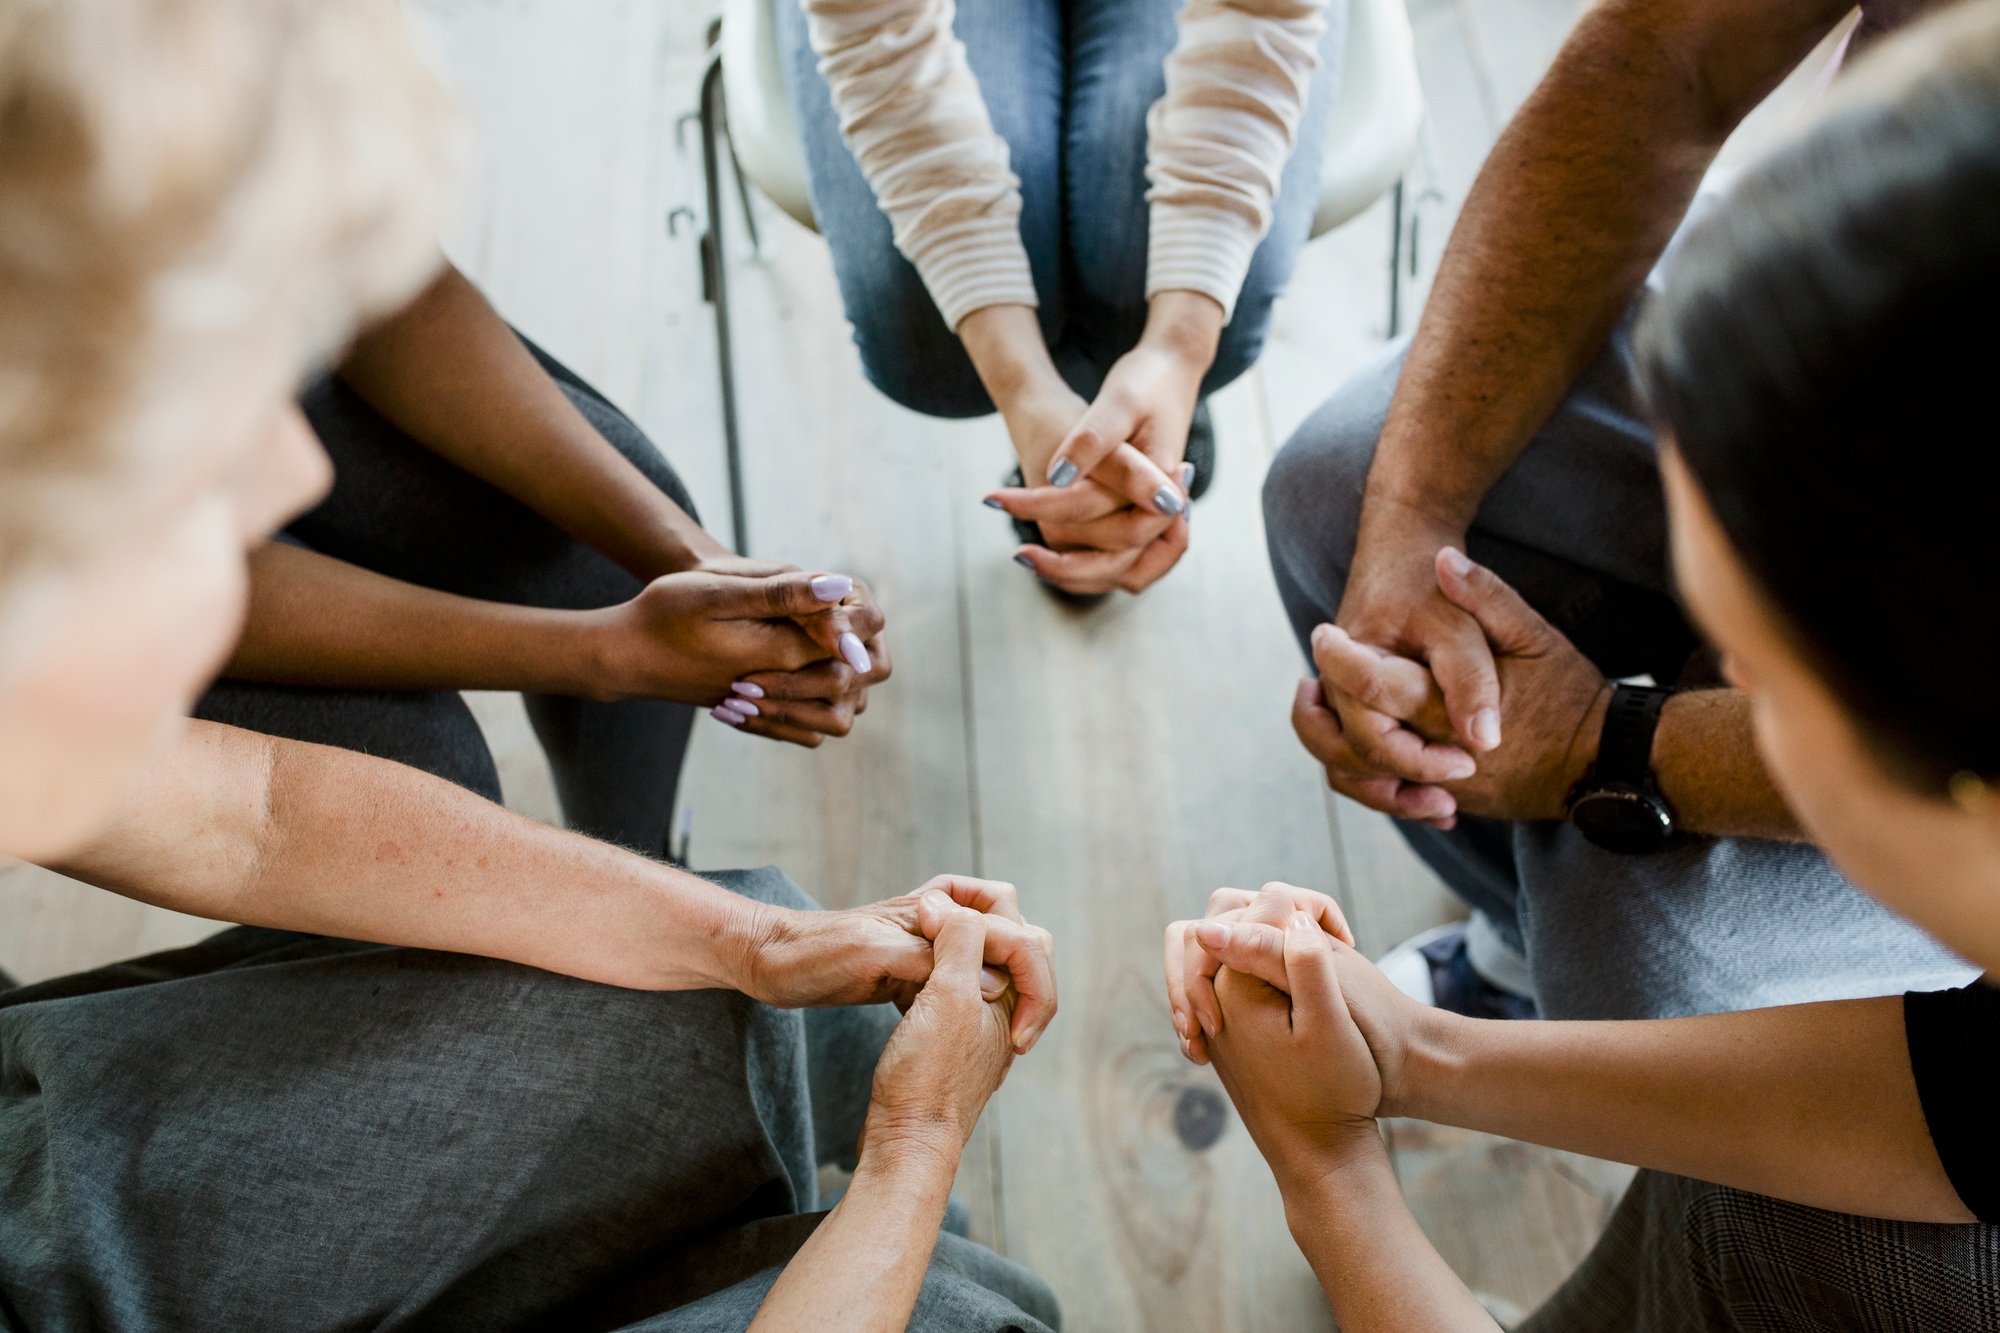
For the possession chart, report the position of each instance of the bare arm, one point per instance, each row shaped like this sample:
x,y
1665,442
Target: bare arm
x,y
240,827
449,372
1571,209
1813,1102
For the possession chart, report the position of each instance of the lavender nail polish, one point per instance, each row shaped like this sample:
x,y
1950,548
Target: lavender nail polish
x,y
856,654
749,689
992,503
741,707
1024,562
832,587
1062,474
1168,501
723,715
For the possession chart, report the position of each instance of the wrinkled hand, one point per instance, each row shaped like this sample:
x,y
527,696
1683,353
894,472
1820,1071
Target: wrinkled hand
x,y
1115,515
1293,1060
1191,970
882,952
1551,701
789,655
952,1049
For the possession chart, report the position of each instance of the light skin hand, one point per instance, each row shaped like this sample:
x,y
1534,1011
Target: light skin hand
x,y
1115,515
1190,970
882,952
1552,700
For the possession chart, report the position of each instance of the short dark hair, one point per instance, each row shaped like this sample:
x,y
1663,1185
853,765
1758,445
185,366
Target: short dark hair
x,y
1826,358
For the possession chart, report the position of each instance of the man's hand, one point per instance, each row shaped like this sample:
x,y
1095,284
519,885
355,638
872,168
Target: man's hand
x,y
1551,699
882,952
787,655
950,1052
1191,971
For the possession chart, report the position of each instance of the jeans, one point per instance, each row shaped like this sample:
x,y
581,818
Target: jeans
x,y
1578,525
1067,84
276,1131
398,509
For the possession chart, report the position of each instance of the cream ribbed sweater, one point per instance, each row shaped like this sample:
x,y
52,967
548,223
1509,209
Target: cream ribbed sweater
x,y
1216,143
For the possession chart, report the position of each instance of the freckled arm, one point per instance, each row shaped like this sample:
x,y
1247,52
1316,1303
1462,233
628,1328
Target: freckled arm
x,y
239,827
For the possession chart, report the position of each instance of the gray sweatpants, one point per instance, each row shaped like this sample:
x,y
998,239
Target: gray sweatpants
x,y
279,1131
1578,525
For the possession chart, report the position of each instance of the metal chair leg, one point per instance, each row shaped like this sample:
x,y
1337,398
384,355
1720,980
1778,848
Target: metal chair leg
x,y
715,288
1396,259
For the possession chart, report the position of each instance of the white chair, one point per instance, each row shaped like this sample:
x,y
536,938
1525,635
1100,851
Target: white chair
x,y
746,111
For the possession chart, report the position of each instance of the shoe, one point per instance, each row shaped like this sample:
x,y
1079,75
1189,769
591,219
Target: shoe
x,y
1435,968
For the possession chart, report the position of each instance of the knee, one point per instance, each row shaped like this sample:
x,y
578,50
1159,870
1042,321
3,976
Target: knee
x,y
1312,493
906,350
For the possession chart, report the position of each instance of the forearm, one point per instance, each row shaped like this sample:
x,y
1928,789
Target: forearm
x,y
1811,1103
1380,1272
1571,209
449,372
240,827
1705,759
314,620
863,1266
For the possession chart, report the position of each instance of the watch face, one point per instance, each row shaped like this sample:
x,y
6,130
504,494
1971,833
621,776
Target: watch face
x,y
1622,819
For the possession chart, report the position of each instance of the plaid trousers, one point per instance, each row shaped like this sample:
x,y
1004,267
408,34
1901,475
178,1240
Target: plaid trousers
x,y
1681,1254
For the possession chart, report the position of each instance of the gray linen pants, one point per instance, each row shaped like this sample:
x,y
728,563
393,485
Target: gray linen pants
x,y
278,1131
1578,525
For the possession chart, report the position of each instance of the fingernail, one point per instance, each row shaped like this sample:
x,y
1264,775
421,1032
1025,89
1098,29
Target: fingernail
x,y
1187,476
1300,921
1062,474
1180,1028
1024,562
856,654
1486,728
748,689
1455,561
1212,935
832,587
1461,768
721,714
1206,1029
743,706
992,503
994,977
1168,501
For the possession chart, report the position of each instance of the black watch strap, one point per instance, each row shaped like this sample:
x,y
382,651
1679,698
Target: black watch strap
x,y
1625,748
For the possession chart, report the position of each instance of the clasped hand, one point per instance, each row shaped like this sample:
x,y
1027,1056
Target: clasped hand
x,y
1497,716
796,651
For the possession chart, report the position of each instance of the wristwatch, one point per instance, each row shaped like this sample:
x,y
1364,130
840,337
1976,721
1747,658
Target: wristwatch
x,y
1618,805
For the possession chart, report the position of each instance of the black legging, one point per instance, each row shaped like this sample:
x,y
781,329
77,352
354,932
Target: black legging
x,y
401,510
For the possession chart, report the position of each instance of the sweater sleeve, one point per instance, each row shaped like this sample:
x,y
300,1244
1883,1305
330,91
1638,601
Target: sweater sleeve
x,y
912,115
1217,143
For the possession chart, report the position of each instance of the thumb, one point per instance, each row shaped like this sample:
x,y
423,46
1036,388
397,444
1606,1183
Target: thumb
x,y
1511,625
788,596
1244,946
959,954
1315,984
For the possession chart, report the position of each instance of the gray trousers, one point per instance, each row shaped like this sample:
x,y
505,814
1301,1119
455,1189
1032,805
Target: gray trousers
x,y
398,509
1578,525
278,1131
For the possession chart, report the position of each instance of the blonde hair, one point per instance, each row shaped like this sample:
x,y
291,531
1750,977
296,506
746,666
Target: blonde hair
x,y
197,198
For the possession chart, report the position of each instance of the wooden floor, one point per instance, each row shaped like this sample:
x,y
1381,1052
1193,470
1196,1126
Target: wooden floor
x,y
1117,765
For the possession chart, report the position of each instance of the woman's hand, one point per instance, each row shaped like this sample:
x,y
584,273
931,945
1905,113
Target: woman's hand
x,y
1290,1054
867,955
788,655
949,1053
1191,970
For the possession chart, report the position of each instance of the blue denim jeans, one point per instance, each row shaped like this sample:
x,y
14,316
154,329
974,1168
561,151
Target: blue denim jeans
x,y
1068,84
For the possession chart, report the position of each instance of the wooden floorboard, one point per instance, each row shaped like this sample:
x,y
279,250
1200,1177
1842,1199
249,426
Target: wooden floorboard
x,y
1117,764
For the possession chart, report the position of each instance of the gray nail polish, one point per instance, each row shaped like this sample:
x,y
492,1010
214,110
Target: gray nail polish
x,y
1168,501
749,689
855,652
992,503
832,587
1024,562
724,715
1187,476
1062,474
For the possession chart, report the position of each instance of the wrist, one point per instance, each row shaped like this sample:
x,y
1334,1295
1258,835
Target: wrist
x,y
1433,1048
1305,1167
1581,754
1006,348
1186,326
908,1149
